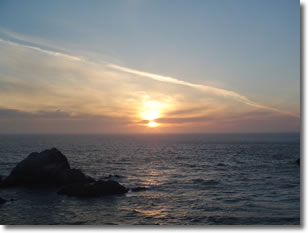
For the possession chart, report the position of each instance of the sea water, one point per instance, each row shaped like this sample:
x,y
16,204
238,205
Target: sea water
x,y
191,179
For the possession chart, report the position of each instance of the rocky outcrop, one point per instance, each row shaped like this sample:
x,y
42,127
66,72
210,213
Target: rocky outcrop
x,y
94,189
69,176
49,167
112,177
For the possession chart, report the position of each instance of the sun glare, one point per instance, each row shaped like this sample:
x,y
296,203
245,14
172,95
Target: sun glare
x,y
152,124
151,115
151,110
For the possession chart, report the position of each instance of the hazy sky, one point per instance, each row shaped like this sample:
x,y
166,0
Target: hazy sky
x,y
149,66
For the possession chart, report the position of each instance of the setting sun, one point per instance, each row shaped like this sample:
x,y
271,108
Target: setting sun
x,y
150,111
151,115
152,124
165,114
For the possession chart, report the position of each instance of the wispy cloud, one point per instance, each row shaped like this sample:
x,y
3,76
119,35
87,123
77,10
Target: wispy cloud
x,y
26,41
158,77
44,83
50,52
205,88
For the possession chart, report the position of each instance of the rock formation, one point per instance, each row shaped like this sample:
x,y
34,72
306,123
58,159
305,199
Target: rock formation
x,y
94,189
49,167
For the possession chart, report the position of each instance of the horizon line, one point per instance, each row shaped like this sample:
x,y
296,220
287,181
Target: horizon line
x,y
151,133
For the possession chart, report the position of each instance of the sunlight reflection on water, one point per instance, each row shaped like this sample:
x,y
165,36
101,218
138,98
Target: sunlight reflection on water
x,y
191,179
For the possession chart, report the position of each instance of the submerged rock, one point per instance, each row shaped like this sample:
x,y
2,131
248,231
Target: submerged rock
x,y
138,189
94,189
2,200
298,161
49,167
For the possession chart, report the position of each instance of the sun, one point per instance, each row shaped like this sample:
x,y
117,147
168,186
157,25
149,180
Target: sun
x,y
151,115
152,124
150,111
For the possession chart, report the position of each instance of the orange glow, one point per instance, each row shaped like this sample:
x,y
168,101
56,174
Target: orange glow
x,y
152,124
150,111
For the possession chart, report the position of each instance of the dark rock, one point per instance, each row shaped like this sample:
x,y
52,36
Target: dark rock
x,y
94,189
68,176
298,161
138,189
2,200
49,167
112,177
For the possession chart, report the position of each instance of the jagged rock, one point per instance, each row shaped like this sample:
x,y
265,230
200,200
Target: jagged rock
x,y
2,200
94,189
49,167
68,176
112,176
138,189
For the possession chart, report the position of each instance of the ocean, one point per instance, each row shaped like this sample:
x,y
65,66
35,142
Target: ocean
x,y
192,179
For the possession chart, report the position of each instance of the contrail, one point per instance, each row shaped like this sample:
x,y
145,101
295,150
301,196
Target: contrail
x,y
49,52
205,88
162,78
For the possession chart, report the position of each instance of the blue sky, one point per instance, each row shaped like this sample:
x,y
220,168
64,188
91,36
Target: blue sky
x,y
245,46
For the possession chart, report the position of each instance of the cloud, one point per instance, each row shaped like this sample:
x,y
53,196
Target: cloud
x,y
12,113
250,122
57,54
180,120
38,44
16,121
17,114
205,88
44,88
157,77
189,111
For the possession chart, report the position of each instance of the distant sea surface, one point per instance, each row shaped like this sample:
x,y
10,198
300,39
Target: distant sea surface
x,y
191,179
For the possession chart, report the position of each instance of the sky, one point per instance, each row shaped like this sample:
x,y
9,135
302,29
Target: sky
x,y
149,66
